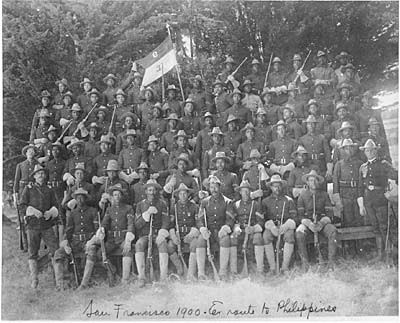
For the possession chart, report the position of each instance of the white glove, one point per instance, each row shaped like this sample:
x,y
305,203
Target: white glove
x,y
288,225
72,204
203,194
100,234
81,125
195,172
299,72
307,222
92,241
236,231
51,213
69,179
173,236
230,78
67,248
164,151
63,122
99,179
151,210
162,235
16,200
224,231
155,175
205,233
256,194
247,164
105,197
169,187
44,159
249,229
360,202
257,228
31,211
134,175
193,234
125,177
270,225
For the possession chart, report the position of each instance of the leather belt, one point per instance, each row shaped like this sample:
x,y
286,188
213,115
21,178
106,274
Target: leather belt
x,y
351,183
374,188
55,183
128,170
317,156
118,234
301,186
184,229
325,116
82,236
25,182
281,162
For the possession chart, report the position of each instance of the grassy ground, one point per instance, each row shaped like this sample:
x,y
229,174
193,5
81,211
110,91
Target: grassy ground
x,y
355,288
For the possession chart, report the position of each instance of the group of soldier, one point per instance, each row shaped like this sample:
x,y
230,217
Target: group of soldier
x,y
242,167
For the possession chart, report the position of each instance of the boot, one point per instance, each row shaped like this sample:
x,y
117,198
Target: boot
x,y
287,255
302,249
259,255
233,261
223,262
126,269
270,254
141,269
177,263
332,246
192,266
86,274
201,263
59,274
379,249
33,267
163,266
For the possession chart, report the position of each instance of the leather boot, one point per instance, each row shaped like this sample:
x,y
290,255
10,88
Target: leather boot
x,y
86,274
223,262
287,255
33,268
233,261
201,262
59,275
177,263
126,269
302,249
332,246
163,260
141,268
192,266
379,249
259,255
270,255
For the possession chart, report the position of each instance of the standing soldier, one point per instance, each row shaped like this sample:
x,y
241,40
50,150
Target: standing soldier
x,y
373,179
191,121
129,121
202,100
138,189
100,116
238,110
80,227
294,130
273,110
100,161
157,125
346,131
344,58
226,75
45,98
63,113
62,90
349,72
314,214
277,81
342,117
245,148
84,99
256,76
217,227
229,181
250,100
255,175
122,110
298,103
91,148
182,147
151,211
324,101
322,127
374,133
345,96
38,134
233,138
145,109
172,104
183,216
76,146
303,81
95,102
280,216
324,74
158,161
222,101
39,205
203,140
132,86
108,94
217,137
168,137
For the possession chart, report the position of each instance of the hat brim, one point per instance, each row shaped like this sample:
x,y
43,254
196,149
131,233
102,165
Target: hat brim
x,y
155,185
218,134
231,120
363,148
227,159
109,77
39,170
79,193
208,116
282,182
176,136
82,83
239,188
343,128
123,94
248,128
189,190
188,162
125,135
277,125
24,150
112,170
70,146
112,189
305,177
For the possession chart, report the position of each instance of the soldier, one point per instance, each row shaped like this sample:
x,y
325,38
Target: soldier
x,y
323,73
317,147
366,113
233,138
39,205
250,218
203,140
128,121
157,125
144,109
280,215
243,152
229,181
217,137
109,93
373,179
167,138
62,86
91,148
217,227
374,128
256,76
344,59
94,102
84,99
324,101
273,110
302,78
314,214
45,151
250,100
297,102
101,115
190,121
45,98
294,130
172,104
346,131
138,189
158,161
342,116
181,148
226,75
349,72
322,127
81,226
63,112
346,96
38,134
183,230
122,110
280,150
100,161
202,100
132,86
76,146
238,110
151,211
222,101
255,175
277,81
263,130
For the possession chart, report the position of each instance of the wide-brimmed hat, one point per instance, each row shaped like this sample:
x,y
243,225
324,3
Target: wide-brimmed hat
x,y
243,184
312,102
68,93
208,115
190,100
321,53
268,90
261,110
172,87
74,142
218,82
80,191
85,80
248,126
76,107
130,132
142,165
247,82
93,125
345,125
112,165
185,158
344,85
348,142
373,121
120,92
369,144
279,123
116,187
312,173
237,91
27,147
106,139
216,131
44,113
62,81
276,60
255,61
152,183
229,59
341,105
183,187
38,168
45,94
152,138
347,66
342,54
311,119
212,179
254,153
172,116
110,76
231,118
300,150
220,155
276,178
101,109
58,145
296,57
127,114
289,107
51,128
95,91
158,106
181,133
79,166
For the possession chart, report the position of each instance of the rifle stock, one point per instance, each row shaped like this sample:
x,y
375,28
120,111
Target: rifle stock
x,y
269,67
210,257
245,271
316,242
185,268
150,251
278,242
22,234
301,68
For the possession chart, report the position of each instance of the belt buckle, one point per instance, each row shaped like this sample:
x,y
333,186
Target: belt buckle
x,y
283,161
353,183
371,187
128,171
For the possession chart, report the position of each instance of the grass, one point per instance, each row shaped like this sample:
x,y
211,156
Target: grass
x,y
356,288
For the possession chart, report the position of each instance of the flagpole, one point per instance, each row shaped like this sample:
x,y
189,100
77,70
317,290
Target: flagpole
x,y
162,83
176,66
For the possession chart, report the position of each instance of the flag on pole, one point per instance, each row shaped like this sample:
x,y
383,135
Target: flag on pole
x,y
159,62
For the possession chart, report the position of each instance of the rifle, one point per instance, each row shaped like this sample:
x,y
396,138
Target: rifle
x,y
209,255
64,131
316,242
74,266
269,67
388,250
301,68
185,269
245,271
21,223
237,68
150,251
112,119
278,242
68,138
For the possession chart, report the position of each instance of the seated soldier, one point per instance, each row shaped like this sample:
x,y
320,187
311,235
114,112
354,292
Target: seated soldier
x,y
127,123
207,165
81,225
298,102
280,215
322,126
273,110
172,104
76,146
183,230
342,114
122,110
100,162
38,134
190,121
250,100
145,109
256,175
151,214
263,130
314,215
346,96
324,102
91,148
182,147
346,131
138,189
238,110
294,130
203,140
157,125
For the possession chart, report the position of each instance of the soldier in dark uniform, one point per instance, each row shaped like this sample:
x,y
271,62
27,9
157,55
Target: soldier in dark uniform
x,y
233,138
152,210
256,175
172,104
263,130
182,147
45,98
158,161
226,75
298,103
81,225
95,102
294,130
39,205
218,228
145,109
277,81
243,152
222,101
342,116
345,96
109,93
229,181
323,73
183,215
100,161
238,110
168,137
303,81
84,99
256,76
62,90
322,127
76,146
46,148
101,116
217,137
273,110
91,148
63,112
191,121
157,125
324,101
138,189
374,133
250,100
38,134
129,121
373,178
346,131
366,113
202,100
132,87
122,110
203,140
310,202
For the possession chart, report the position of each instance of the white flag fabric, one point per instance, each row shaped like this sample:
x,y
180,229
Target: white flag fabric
x,y
160,61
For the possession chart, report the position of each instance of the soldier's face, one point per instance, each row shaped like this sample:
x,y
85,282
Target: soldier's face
x,y
287,114
142,174
296,64
51,135
218,89
261,118
172,124
343,60
87,87
341,113
30,153
247,88
93,132
55,152
94,98
171,94
197,84
75,115
104,147
319,90
152,146
150,192
137,80
214,188
349,151
276,67
40,176
231,126
67,100
156,112
312,183
216,139
249,134
128,122
130,140
79,175
276,188
183,196
148,95
281,131
101,116
116,196
371,153
42,120
120,99
267,98
301,158
80,199
220,164
76,150
311,126
180,141
313,109
61,87
208,122
245,194
346,133
189,107
236,98
110,82
229,66
45,101
182,165
345,93
112,174
349,73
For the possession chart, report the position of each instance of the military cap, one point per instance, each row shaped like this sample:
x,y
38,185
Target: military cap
x,y
296,57
369,144
218,82
276,178
312,102
244,184
95,91
279,123
110,76
267,90
80,191
75,141
190,100
152,138
172,116
347,66
229,59
344,85
248,126
289,107
183,187
102,109
216,131
181,133
150,89
255,61
341,105
197,78
152,183
116,187
93,125
348,142
212,180
158,106
237,91
314,174
130,132
68,93
62,81
79,166
106,139
44,113
57,144
45,94
172,87
345,125
231,118
220,155
185,158
85,80
261,110
24,150
311,119
142,165
300,150
112,165
120,92
126,115
208,115
137,74
76,107
37,169
342,54
276,60
247,82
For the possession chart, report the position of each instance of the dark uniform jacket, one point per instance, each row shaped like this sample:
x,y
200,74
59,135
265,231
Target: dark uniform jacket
x,y
345,178
218,212
118,220
22,174
130,158
280,150
187,214
100,163
273,208
161,219
318,150
229,181
81,221
241,210
323,205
